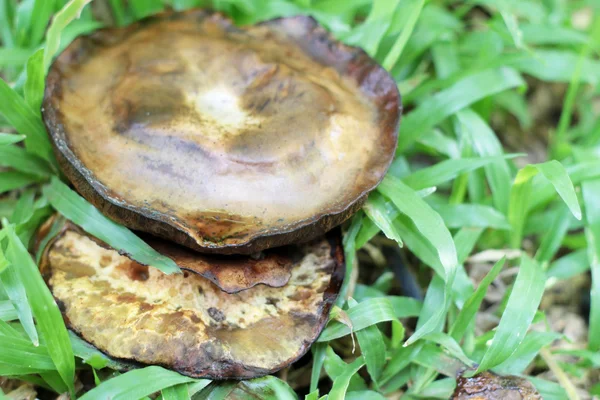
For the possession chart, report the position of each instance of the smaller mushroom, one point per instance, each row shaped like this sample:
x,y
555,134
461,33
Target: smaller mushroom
x,y
222,318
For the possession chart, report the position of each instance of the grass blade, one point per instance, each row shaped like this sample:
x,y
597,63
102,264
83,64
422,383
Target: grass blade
x,y
16,291
47,315
42,10
318,352
590,190
381,215
34,85
462,94
520,310
9,138
340,384
363,315
13,57
21,353
468,312
78,210
429,223
486,144
449,169
521,190
69,12
27,122
7,311
335,366
18,159
471,215
396,51
526,352
136,384
372,347
143,8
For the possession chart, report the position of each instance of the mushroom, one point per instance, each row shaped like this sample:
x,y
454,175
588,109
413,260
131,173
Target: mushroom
x,y
236,151
223,139
201,323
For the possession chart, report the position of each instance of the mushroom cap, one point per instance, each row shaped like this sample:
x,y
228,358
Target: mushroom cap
x,y
223,139
187,322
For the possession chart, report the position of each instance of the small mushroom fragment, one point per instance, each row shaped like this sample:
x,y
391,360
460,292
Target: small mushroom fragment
x,y
186,322
226,140
489,386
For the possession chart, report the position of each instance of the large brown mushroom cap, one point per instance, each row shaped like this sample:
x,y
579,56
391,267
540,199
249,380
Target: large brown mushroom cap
x,y
223,139
186,322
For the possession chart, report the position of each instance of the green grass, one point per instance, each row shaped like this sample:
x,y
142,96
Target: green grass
x,y
453,191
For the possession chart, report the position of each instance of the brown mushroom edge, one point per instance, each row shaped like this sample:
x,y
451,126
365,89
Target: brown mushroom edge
x,y
242,231
185,322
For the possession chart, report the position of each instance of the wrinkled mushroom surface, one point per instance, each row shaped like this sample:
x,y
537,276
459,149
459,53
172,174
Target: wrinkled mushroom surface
x,y
489,386
184,321
223,139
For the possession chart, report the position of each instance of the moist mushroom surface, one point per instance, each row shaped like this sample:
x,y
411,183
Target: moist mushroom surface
x,y
224,139
184,321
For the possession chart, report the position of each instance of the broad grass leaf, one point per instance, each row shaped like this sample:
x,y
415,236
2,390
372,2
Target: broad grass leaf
x,y
349,243
429,223
395,52
548,390
521,191
518,315
469,311
48,318
21,353
432,356
460,95
40,16
176,392
340,384
451,345
557,66
17,158
364,395
17,293
335,366
26,121
319,353
9,138
382,216
552,239
448,170
526,352
24,208
34,85
486,144
136,384
372,347
144,8
365,314
551,34
472,215
68,13
13,57
7,311
78,210
592,234
567,266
